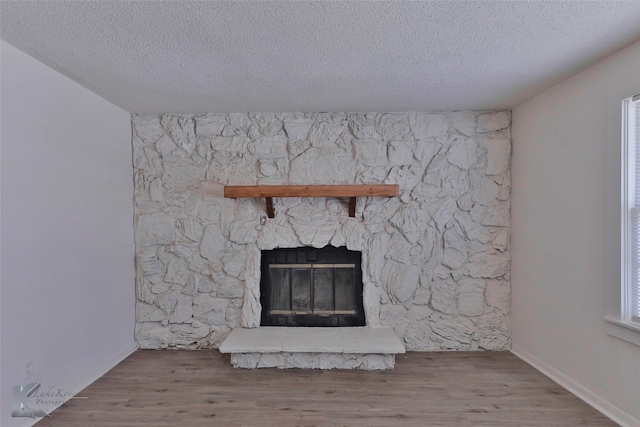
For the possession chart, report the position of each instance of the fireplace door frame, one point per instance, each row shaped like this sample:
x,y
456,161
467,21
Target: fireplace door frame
x,y
312,259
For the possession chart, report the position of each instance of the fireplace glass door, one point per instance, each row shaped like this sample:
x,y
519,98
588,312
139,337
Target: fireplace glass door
x,y
311,287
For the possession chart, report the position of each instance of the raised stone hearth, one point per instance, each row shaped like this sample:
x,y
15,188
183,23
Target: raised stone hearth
x,y
313,348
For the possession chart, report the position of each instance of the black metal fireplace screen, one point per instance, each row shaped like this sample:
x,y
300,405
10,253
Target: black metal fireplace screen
x,y
311,287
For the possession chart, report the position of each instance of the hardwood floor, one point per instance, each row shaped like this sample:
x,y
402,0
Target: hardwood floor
x,y
200,388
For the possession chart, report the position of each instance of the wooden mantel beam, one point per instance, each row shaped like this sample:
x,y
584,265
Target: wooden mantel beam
x,y
351,191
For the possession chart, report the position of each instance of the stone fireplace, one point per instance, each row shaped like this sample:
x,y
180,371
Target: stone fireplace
x,y
434,261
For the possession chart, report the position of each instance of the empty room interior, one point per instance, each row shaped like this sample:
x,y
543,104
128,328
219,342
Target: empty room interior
x,y
319,213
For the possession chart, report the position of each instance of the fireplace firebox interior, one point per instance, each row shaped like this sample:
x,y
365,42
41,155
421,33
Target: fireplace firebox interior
x,y
311,287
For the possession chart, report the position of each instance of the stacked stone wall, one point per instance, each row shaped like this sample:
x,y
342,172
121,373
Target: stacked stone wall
x,y
435,259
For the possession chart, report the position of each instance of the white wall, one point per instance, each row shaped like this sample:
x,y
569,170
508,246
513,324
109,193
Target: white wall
x,y
565,205
67,268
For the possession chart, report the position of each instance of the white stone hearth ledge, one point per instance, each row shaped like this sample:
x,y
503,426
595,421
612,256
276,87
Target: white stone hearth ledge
x,y
313,348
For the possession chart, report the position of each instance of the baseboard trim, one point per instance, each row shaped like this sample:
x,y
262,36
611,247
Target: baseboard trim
x,y
82,383
592,399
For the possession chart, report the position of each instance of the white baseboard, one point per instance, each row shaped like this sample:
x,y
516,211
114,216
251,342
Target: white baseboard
x,y
101,369
592,399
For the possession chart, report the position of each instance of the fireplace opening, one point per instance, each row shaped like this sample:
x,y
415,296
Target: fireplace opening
x,y
311,287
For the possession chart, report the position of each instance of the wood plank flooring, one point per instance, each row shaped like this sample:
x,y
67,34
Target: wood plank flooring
x,y
200,388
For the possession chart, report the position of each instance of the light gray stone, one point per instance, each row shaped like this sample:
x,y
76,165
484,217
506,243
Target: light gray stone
x,y
324,134
488,265
277,232
419,312
501,240
155,190
472,229
234,260
407,177
168,150
370,152
276,169
455,182
425,150
177,272
497,215
411,221
229,288
191,228
213,241
147,127
505,189
442,211
192,286
401,281
268,124
380,211
494,332
399,249
455,248
455,332
151,336
168,301
322,166
182,173
182,131
244,227
183,310
187,336
143,290
217,336
392,126
155,229
498,155
391,314
324,225
285,360
443,296
417,336
484,190
251,307
160,288
463,122
463,152
436,170
269,146
471,303
210,310
426,126
210,125
362,126
464,202
148,313
231,144
155,162
297,126
422,295
400,153
425,193
492,122
498,295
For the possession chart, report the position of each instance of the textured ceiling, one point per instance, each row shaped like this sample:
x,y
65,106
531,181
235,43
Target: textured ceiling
x,y
275,56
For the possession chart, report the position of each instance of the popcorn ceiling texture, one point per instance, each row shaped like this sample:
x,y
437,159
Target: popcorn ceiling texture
x,y
435,260
320,55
